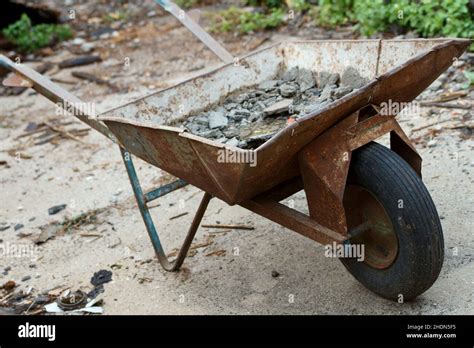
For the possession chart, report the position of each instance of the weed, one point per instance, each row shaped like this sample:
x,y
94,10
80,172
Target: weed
x,y
29,38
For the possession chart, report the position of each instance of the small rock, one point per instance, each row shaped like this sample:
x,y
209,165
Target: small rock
x,y
342,91
230,106
4,226
56,209
87,46
305,79
268,85
278,108
101,277
24,279
351,77
275,274
217,120
242,112
78,41
287,90
232,142
9,285
18,227
231,132
48,232
291,74
327,93
437,84
327,78
210,134
202,121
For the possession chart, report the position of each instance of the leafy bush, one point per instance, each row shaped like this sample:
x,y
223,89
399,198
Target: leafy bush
x,y
29,38
242,21
186,3
426,17
333,13
265,3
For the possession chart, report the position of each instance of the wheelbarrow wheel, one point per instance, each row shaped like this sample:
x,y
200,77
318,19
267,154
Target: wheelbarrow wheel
x,y
391,214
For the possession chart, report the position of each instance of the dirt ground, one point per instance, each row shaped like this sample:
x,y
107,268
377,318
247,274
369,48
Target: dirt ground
x,y
232,273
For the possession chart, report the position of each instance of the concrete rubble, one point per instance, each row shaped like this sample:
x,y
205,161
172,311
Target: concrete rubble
x,y
250,118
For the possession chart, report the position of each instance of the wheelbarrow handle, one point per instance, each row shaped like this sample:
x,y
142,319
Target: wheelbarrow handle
x,y
197,30
56,94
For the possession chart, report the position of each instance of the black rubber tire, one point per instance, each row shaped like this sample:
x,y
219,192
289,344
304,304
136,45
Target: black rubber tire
x,y
417,226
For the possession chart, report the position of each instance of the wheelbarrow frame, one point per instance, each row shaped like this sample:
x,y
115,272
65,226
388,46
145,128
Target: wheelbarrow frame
x,y
323,163
323,175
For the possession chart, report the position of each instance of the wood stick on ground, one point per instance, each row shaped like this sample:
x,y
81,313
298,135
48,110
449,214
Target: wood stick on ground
x,y
448,97
64,132
429,125
89,77
233,227
447,105
178,216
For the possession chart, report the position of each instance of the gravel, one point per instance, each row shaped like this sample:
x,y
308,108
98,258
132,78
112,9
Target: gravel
x,y
251,117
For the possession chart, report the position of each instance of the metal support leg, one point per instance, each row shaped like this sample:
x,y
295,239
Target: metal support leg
x,y
150,226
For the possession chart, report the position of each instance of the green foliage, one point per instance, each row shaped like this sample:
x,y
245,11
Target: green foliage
x,y
115,16
426,17
265,3
242,21
29,38
333,12
186,3
470,77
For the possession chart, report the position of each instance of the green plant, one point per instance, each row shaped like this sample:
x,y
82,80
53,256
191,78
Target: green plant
x,y
470,77
242,21
265,3
29,38
115,16
331,13
426,17
186,3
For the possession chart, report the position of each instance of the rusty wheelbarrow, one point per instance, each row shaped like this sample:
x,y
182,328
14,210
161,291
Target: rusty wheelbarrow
x,y
359,193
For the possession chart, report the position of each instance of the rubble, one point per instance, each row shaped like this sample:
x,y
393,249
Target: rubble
x,y
250,118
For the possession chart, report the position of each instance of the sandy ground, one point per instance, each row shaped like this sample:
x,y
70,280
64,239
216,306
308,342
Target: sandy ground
x,y
90,176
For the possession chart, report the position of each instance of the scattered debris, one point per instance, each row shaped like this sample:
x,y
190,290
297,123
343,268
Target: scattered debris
x,y
232,227
92,78
56,209
96,291
52,130
144,280
447,105
178,216
101,277
48,232
9,285
115,242
72,300
216,253
79,61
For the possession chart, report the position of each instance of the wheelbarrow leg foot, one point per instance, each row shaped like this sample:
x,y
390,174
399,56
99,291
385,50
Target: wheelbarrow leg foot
x,y
150,226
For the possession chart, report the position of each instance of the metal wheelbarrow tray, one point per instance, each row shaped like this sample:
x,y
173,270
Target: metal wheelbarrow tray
x,y
358,192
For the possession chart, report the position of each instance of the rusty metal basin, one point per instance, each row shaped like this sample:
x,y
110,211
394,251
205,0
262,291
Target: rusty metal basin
x,y
397,70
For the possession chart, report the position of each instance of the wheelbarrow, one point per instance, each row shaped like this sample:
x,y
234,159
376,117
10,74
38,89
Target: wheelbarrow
x,y
359,193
